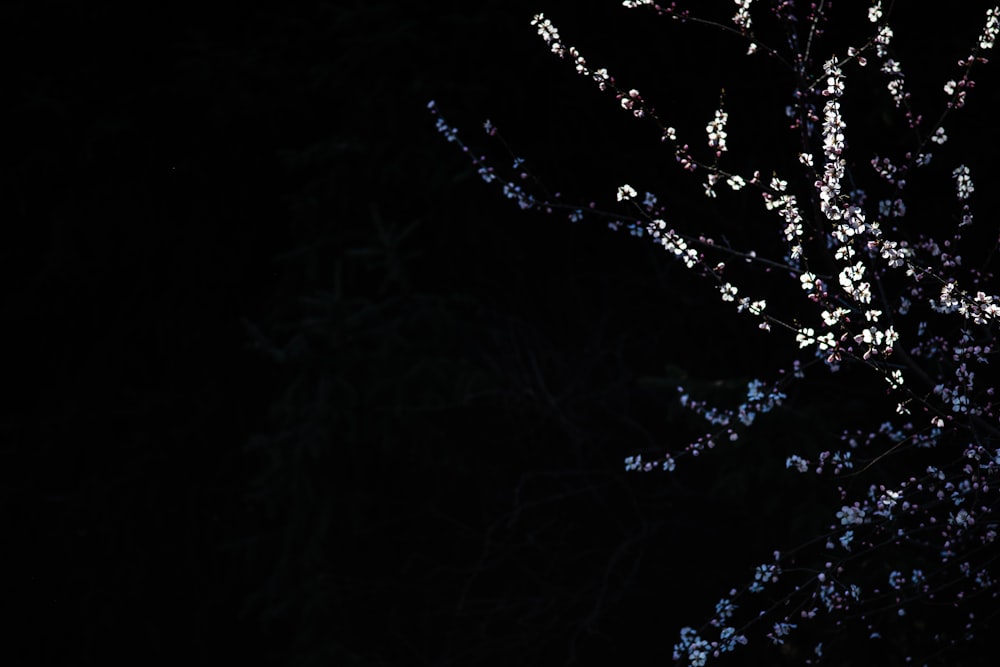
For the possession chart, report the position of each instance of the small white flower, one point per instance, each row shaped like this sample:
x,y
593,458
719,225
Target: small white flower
x,y
962,519
805,337
626,192
851,515
875,12
891,337
845,539
845,252
884,36
797,462
831,318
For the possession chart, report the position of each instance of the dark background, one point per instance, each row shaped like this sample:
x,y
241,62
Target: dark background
x,y
292,386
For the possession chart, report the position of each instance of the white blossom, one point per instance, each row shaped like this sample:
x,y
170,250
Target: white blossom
x,y
875,12
991,29
716,130
626,192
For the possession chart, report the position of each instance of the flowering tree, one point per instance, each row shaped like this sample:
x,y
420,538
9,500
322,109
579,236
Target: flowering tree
x,y
861,277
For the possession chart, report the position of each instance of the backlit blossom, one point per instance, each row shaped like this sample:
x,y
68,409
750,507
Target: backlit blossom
x,y
875,12
851,515
834,78
963,182
991,29
549,34
742,17
716,130
797,462
626,192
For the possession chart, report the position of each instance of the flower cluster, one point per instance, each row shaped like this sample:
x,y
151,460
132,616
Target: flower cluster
x,y
885,289
716,130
